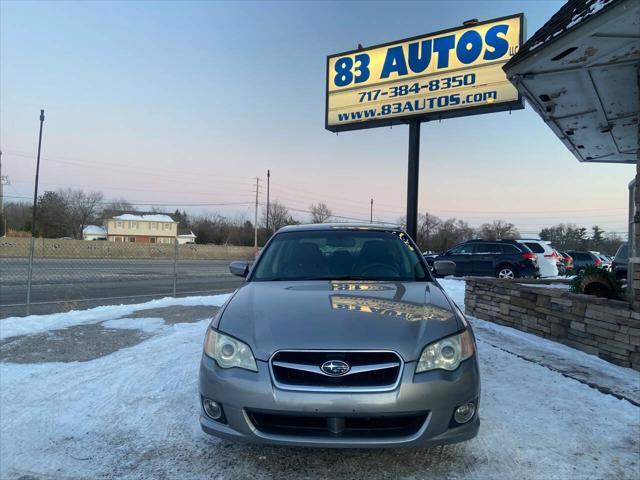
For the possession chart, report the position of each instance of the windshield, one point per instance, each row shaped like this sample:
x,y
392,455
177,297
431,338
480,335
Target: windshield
x,y
340,255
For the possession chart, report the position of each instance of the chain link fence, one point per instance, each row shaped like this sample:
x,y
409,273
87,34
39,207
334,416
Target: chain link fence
x,y
73,274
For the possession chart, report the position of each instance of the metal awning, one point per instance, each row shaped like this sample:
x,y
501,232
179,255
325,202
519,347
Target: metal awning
x,y
580,73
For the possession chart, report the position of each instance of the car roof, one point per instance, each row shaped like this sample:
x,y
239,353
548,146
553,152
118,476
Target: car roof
x,y
506,240
312,227
545,242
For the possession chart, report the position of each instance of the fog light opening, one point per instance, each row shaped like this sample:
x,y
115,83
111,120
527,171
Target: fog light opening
x,y
212,409
464,413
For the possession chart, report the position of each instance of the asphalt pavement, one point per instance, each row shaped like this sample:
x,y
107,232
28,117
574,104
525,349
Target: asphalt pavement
x,y
60,285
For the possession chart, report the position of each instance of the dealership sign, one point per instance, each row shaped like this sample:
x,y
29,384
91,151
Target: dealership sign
x,y
451,73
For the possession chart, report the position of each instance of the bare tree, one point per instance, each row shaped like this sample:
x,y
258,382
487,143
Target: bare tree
x,y
571,237
17,215
438,235
120,204
451,232
279,216
320,213
428,226
83,208
497,230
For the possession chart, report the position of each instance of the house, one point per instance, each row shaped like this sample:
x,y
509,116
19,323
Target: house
x,y
94,232
141,227
186,237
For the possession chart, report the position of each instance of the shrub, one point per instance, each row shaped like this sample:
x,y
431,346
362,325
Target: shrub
x,y
596,281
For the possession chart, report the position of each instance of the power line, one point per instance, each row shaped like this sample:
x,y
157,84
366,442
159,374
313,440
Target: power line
x,y
299,198
153,202
68,185
81,162
172,176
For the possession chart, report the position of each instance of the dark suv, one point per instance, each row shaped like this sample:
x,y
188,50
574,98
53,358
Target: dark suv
x,y
500,258
583,259
620,262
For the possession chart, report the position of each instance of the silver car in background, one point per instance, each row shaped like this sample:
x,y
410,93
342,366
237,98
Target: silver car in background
x,y
340,337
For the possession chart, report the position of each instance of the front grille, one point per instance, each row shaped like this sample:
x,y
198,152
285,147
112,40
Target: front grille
x,y
369,370
383,426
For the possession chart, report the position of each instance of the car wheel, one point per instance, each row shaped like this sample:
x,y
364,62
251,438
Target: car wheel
x,y
506,272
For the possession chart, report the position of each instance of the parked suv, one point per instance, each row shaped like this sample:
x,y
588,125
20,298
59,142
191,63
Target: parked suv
x,y
606,261
500,258
547,256
583,259
568,263
620,262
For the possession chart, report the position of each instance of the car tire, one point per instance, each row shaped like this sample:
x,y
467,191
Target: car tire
x,y
506,272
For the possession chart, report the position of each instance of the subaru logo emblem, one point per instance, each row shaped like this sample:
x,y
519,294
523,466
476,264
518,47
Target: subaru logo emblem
x,y
335,368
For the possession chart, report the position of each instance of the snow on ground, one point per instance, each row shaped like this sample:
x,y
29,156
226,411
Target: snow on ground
x,y
578,365
13,326
145,324
134,414
455,289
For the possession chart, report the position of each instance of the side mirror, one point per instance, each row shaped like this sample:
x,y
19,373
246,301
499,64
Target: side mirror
x,y
444,267
241,269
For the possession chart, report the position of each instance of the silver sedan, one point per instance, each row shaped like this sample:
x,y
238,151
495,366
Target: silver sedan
x,y
340,337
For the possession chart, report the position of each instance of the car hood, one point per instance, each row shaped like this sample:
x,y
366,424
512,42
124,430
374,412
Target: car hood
x,y
321,315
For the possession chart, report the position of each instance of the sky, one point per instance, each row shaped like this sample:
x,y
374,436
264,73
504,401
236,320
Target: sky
x,y
186,103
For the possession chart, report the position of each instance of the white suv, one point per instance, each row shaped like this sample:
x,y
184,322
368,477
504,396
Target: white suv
x,y
547,256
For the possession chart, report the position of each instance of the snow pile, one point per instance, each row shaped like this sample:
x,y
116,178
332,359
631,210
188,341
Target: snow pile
x,y
13,326
86,417
562,286
146,324
455,289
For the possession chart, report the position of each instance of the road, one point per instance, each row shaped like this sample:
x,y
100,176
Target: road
x,y
60,285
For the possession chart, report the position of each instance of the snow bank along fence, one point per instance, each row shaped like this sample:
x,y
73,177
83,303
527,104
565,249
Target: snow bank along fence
x,y
606,328
50,248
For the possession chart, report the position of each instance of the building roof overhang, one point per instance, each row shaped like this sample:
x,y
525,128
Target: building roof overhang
x,y
580,74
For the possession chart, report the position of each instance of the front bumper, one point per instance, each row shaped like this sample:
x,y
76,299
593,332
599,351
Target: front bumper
x,y
436,393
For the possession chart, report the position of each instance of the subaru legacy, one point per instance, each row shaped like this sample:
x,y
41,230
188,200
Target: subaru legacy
x,y
340,337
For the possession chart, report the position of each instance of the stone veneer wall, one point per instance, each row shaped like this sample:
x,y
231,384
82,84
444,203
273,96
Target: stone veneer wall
x,y
609,329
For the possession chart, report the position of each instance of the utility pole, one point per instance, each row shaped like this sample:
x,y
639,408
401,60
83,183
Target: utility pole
x,y
255,222
3,227
33,217
268,178
371,216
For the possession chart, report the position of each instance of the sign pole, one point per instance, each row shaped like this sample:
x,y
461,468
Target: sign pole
x,y
412,178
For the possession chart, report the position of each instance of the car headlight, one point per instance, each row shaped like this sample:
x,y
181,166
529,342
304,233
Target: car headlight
x,y
229,352
446,354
